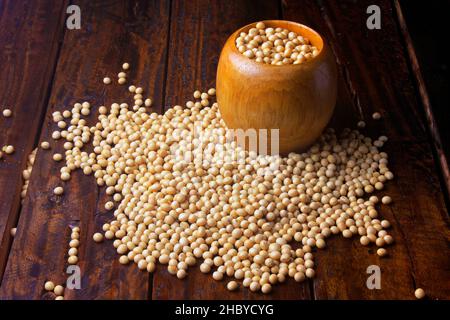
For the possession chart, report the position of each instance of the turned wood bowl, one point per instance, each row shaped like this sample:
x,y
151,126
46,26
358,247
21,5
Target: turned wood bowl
x,y
297,99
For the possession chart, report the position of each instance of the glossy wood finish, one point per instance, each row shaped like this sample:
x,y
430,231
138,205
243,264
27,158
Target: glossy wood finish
x,y
296,99
30,35
39,251
442,146
376,83
173,48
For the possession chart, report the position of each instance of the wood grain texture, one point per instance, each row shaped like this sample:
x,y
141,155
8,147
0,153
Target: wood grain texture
x,y
378,83
29,40
173,48
111,33
198,31
441,146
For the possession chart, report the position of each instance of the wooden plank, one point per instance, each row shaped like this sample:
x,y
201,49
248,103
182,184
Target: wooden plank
x,y
420,256
198,31
378,81
28,55
436,124
111,33
347,111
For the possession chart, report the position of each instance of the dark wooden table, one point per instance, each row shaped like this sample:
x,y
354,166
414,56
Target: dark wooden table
x,y
173,48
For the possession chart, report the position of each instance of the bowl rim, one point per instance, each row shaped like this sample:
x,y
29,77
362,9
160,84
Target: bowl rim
x,y
275,21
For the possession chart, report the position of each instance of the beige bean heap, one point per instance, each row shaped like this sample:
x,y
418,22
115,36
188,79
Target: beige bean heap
x,y
277,46
74,244
255,220
26,174
58,290
7,149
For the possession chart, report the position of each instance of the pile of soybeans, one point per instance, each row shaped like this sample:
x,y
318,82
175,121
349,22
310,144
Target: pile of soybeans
x,y
276,46
232,213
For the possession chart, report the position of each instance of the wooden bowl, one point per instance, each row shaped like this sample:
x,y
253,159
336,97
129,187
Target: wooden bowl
x,y
297,99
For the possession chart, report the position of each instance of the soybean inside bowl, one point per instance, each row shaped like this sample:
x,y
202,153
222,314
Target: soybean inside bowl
x,y
297,99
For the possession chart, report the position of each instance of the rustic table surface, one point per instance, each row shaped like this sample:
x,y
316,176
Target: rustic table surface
x,y
173,48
